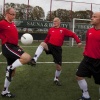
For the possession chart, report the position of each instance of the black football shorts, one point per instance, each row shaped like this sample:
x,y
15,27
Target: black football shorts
x,y
11,52
56,52
89,67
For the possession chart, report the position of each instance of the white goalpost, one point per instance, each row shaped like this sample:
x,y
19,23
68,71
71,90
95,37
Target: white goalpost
x,y
73,29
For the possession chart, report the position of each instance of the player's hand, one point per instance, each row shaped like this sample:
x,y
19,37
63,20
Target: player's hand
x,y
79,45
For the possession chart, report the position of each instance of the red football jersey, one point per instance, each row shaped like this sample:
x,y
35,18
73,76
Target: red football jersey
x,y
8,32
92,48
56,36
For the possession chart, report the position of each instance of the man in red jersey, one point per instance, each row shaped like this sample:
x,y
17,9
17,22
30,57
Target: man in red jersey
x,y
15,55
90,65
52,45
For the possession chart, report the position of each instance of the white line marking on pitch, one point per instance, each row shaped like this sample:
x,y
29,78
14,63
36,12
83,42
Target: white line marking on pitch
x,y
49,62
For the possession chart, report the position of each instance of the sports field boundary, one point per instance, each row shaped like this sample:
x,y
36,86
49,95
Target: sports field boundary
x,y
48,62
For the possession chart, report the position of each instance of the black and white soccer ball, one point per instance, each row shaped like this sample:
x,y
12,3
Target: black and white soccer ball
x,y
26,39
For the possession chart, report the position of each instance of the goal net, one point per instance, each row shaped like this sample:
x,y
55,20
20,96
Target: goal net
x,y
80,27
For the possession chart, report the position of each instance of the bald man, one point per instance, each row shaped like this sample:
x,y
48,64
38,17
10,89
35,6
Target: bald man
x,y
52,45
11,50
90,65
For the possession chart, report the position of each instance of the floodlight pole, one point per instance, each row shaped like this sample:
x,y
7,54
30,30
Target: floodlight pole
x,y
27,10
50,8
71,8
3,7
27,14
91,9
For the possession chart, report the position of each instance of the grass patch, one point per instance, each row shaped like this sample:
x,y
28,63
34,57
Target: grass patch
x,y
36,83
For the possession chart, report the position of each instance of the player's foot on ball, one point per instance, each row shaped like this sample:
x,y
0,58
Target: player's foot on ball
x,y
82,98
56,82
32,62
7,94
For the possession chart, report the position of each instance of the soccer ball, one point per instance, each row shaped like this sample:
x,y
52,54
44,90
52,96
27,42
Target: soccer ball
x,y
26,39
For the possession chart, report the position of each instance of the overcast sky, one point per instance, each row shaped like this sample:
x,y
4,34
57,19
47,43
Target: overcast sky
x,y
45,4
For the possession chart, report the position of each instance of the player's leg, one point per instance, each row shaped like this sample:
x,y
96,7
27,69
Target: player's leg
x,y
5,92
57,74
15,57
82,72
24,59
96,74
16,53
83,86
57,55
38,52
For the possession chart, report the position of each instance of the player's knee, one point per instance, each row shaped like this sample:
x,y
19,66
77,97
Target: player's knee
x,y
43,44
79,78
25,58
58,67
28,58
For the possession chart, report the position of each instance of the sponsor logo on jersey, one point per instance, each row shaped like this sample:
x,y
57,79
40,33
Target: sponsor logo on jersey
x,y
90,33
61,31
